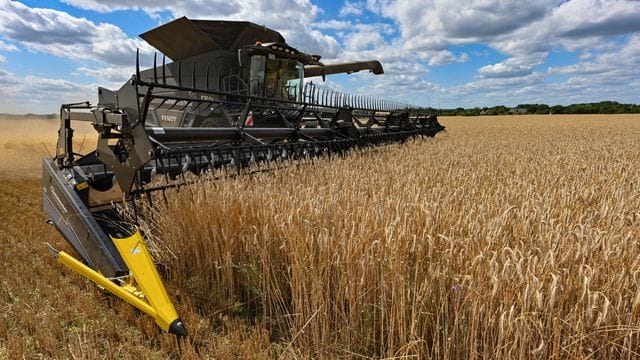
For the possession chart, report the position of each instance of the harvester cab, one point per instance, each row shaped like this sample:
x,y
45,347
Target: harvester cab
x,y
231,95
273,71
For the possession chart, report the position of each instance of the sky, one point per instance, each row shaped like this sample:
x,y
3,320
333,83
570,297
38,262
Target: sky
x,y
437,53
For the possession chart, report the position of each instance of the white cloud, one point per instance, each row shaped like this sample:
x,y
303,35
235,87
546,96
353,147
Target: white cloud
x,y
351,8
612,64
492,84
21,94
594,18
293,18
429,28
494,91
7,47
580,68
444,57
526,31
58,33
398,88
601,76
513,67
224,8
459,20
573,25
115,75
365,37
503,69
333,24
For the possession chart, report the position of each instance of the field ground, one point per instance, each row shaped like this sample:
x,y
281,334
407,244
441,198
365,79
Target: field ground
x,y
505,237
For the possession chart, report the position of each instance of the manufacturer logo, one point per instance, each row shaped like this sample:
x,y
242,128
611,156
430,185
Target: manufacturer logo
x,y
168,118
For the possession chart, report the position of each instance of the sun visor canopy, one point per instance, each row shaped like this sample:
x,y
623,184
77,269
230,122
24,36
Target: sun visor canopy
x,y
184,38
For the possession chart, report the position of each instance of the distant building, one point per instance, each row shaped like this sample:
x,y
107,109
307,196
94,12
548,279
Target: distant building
x,y
518,111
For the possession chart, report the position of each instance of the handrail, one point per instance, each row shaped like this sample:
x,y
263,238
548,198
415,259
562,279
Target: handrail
x,y
312,94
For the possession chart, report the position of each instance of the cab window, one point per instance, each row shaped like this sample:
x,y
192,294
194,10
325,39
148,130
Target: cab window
x,y
276,78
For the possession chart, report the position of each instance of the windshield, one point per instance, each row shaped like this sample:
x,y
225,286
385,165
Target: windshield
x,y
278,78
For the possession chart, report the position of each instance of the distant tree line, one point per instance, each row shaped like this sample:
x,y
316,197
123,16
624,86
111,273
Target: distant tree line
x,y
4,116
603,107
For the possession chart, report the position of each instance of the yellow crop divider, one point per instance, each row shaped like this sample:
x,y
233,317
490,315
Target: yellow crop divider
x,y
156,302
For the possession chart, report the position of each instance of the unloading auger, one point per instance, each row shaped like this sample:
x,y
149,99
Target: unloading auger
x,y
232,96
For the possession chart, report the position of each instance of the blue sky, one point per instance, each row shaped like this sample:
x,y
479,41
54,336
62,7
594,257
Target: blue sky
x,y
436,52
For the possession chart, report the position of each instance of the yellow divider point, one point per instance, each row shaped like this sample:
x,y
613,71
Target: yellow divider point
x,y
82,269
135,254
155,302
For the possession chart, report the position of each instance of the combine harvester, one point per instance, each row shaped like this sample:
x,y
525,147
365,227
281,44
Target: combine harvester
x,y
233,95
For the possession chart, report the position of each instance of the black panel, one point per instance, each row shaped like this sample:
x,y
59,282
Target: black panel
x,y
76,223
183,38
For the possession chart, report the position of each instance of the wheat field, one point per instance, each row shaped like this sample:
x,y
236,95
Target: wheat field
x,y
506,237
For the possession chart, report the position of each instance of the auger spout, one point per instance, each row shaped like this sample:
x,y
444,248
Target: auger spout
x,y
373,66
